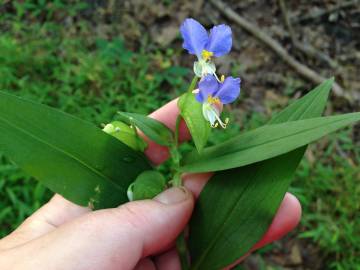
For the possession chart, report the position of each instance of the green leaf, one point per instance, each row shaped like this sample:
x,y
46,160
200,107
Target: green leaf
x,y
70,156
147,185
311,105
153,129
265,142
236,207
125,134
191,111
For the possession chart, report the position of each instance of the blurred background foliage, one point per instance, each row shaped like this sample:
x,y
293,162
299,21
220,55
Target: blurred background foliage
x,y
91,58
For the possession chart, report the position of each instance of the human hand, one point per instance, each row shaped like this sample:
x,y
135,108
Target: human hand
x,y
137,235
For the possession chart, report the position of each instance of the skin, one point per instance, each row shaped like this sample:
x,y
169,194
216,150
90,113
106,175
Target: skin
x,y
136,235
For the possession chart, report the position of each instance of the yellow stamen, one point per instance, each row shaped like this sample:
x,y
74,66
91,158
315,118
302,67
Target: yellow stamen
x,y
222,124
215,125
206,55
213,100
222,78
227,120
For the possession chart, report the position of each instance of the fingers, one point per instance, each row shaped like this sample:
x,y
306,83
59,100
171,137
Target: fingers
x,y
113,238
168,261
145,264
289,213
195,182
51,215
58,211
286,219
167,115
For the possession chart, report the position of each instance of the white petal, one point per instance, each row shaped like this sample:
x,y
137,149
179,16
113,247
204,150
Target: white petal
x,y
197,69
203,68
208,68
209,113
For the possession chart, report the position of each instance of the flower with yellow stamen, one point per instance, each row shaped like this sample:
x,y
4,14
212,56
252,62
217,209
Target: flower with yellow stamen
x,y
206,55
205,46
213,94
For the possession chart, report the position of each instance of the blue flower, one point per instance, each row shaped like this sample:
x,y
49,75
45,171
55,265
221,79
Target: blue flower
x,y
197,41
213,95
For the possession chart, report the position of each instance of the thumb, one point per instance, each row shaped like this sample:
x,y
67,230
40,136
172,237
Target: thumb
x,y
114,238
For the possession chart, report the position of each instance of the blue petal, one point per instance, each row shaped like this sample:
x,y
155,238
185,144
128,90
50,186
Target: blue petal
x,y
220,40
207,86
229,90
195,36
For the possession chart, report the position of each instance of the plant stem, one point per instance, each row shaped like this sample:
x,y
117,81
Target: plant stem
x,y
177,130
177,182
176,154
182,251
193,84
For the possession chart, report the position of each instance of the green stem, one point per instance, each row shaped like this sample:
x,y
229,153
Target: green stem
x,y
177,130
176,154
193,84
177,181
182,251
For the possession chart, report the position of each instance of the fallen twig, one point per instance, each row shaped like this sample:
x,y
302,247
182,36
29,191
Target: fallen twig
x,y
307,49
300,68
318,14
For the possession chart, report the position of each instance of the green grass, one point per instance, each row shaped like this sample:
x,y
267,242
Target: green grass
x,y
328,186
75,69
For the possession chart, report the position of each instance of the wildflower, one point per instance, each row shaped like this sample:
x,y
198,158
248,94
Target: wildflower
x,y
198,42
213,95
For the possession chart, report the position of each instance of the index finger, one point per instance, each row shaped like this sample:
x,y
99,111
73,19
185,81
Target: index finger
x,y
167,115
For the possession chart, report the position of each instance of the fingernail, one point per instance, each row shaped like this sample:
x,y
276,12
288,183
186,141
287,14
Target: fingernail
x,y
173,195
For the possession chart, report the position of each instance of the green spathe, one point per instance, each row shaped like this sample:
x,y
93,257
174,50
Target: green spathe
x,y
191,111
153,129
147,185
125,134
